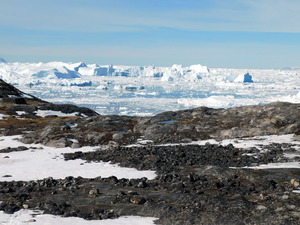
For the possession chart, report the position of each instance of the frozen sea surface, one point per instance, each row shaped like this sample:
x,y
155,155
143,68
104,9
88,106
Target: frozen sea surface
x,y
148,90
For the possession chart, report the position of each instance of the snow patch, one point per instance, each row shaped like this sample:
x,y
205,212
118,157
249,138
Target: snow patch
x,y
36,217
257,141
277,166
43,113
38,163
20,112
2,116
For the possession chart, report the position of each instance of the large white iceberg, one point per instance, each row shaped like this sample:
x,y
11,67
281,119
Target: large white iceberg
x,y
242,78
47,73
64,73
199,68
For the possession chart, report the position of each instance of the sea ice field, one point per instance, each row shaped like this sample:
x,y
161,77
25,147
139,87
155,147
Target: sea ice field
x,y
148,90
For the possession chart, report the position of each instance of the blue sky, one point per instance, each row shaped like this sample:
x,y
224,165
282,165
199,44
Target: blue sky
x,y
216,33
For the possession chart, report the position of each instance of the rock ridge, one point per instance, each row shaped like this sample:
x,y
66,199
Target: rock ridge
x,y
181,126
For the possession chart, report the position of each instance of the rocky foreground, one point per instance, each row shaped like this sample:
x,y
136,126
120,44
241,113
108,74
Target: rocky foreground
x,y
194,184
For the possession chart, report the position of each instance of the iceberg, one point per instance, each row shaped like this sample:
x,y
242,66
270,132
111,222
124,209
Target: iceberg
x,y
55,73
148,90
199,68
167,77
242,78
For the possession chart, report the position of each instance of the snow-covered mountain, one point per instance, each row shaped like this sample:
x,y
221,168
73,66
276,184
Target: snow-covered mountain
x,y
146,90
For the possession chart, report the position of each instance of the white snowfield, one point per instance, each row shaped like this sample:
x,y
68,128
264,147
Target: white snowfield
x,y
25,217
34,164
148,90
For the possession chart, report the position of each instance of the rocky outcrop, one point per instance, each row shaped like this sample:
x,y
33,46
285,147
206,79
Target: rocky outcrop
x,y
20,111
203,123
10,94
168,159
181,126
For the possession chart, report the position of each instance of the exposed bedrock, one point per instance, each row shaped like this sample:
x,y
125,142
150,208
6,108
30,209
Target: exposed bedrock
x,y
174,127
